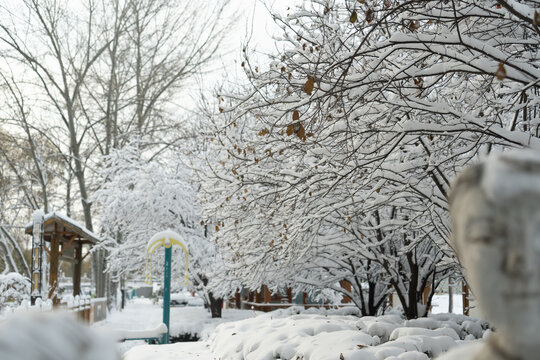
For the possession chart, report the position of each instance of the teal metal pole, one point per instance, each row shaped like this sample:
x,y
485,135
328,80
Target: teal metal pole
x,y
167,292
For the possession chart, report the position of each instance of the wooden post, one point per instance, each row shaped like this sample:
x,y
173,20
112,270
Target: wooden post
x,y
267,298
267,295
465,295
345,284
77,266
237,300
53,267
259,296
289,295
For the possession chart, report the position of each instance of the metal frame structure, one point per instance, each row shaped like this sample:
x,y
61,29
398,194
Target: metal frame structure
x,y
165,239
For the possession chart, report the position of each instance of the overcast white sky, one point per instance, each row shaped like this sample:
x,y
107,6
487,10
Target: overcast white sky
x,y
254,12
252,18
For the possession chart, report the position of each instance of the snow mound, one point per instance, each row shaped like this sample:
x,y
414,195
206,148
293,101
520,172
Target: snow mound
x,y
315,334
408,331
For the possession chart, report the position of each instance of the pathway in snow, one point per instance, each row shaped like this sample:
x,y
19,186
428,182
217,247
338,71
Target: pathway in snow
x,y
186,351
143,314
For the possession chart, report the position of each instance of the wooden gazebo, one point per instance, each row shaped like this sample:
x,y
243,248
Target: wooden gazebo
x,y
65,238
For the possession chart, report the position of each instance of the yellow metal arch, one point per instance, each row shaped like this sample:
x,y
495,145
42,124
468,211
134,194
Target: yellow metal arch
x,y
165,239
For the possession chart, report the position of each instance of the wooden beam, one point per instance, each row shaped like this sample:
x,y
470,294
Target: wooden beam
x,y
65,247
85,255
68,259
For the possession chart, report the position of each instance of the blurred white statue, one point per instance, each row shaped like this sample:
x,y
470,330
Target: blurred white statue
x,y
495,211
51,336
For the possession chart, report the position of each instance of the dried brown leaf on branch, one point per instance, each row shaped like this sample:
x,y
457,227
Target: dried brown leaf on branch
x,y
290,130
414,25
298,129
500,74
370,15
301,132
309,85
354,17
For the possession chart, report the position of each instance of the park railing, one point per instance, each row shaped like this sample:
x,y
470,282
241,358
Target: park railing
x,y
87,309
80,305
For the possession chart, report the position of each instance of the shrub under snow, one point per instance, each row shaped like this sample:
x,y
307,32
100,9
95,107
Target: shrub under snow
x,y
318,334
14,288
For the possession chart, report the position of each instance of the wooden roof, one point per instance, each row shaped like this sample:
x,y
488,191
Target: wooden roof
x,y
66,228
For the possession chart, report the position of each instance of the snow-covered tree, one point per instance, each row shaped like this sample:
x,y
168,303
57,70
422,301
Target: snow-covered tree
x,y
141,197
101,72
356,126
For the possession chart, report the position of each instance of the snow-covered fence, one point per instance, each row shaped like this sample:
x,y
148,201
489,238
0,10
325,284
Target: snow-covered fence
x,y
80,304
39,306
98,309
85,308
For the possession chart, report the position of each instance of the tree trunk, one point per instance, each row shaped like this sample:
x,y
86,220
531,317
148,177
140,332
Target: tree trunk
x,y
216,304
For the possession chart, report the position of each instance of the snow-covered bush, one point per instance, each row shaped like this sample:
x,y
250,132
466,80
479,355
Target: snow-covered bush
x,y
319,334
14,288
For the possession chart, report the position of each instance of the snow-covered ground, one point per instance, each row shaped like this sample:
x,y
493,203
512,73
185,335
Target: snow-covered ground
x,y
440,304
180,351
143,314
318,334
313,334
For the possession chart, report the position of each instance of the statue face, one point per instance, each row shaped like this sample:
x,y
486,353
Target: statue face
x,y
498,243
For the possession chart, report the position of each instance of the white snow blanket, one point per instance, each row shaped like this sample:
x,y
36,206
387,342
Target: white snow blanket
x,y
313,334
333,334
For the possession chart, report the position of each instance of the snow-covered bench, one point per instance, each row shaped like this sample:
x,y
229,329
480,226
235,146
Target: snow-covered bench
x,y
152,336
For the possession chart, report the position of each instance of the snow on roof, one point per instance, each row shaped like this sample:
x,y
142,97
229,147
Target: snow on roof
x,y
68,222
